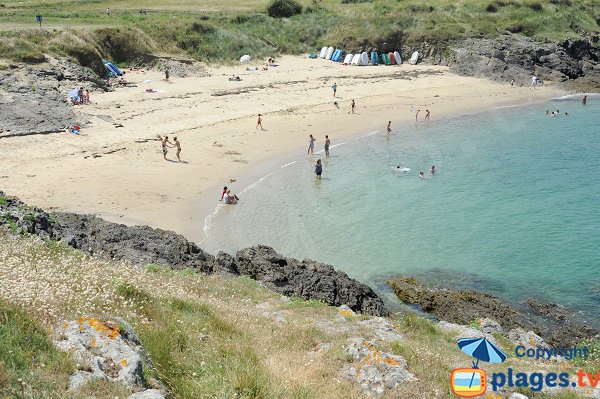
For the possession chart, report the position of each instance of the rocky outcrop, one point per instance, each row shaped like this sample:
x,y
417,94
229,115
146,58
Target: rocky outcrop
x,y
103,353
557,326
374,370
516,57
143,245
307,279
33,97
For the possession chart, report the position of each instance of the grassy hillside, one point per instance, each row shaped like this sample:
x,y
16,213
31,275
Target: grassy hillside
x,y
217,31
208,336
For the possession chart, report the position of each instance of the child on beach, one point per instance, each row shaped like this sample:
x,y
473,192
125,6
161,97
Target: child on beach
x,y
259,122
223,193
327,144
318,169
311,145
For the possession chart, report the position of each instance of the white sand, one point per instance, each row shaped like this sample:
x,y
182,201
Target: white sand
x,y
215,121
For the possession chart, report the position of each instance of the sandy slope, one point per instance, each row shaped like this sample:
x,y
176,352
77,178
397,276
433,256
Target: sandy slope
x,y
119,172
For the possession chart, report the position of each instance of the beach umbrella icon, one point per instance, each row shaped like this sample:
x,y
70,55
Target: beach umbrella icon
x,y
481,349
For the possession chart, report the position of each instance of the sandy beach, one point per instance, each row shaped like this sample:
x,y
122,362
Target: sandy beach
x,y
116,169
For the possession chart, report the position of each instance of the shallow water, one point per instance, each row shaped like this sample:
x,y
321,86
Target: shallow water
x,y
514,208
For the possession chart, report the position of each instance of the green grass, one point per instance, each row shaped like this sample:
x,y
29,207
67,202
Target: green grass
x,y
218,31
28,360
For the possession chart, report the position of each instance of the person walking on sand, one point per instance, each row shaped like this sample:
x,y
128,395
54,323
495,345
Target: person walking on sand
x,y
164,141
427,113
417,115
334,87
327,144
311,145
318,169
389,127
177,145
352,106
584,100
534,82
259,122
167,75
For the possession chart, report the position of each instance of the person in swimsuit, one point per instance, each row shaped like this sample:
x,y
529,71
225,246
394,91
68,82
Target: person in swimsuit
x,y
334,87
432,170
318,169
259,122
427,113
584,100
422,175
327,144
164,141
167,75
389,127
223,193
417,115
178,146
229,198
311,145
352,105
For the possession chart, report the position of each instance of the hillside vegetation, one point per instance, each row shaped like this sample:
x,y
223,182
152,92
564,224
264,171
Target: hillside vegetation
x,y
222,31
208,336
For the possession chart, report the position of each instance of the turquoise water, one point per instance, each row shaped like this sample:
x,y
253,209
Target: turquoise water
x,y
514,208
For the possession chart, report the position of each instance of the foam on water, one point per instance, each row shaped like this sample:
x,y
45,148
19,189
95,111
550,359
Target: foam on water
x,y
513,209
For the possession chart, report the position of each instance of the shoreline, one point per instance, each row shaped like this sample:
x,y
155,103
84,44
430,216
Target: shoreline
x,y
118,172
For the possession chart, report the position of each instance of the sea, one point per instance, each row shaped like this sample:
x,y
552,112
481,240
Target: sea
x,y
513,208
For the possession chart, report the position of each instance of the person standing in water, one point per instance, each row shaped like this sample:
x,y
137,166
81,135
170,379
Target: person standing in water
x,y
427,113
164,142
417,115
259,122
584,100
432,170
318,169
311,145
177,145
389,127
334,87
327,144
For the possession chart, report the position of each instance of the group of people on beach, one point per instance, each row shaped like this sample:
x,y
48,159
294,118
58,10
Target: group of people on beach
x,y
166,144
82,97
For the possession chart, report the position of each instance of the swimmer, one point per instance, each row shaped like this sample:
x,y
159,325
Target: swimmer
x,y
584,100
422,175
432,170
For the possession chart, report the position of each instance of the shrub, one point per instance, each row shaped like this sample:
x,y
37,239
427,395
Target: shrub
x,y
284,8
491,8
536,7
356,1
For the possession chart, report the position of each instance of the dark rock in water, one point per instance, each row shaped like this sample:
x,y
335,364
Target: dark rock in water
x,y
143,245
555,323
307,279
563,325
459,306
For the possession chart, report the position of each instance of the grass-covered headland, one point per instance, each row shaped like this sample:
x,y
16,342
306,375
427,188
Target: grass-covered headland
x,y
222,31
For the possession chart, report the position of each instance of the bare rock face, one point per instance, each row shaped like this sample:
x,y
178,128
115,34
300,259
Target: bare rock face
x,y
33,97
308,279
375,371
516,57
103,353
